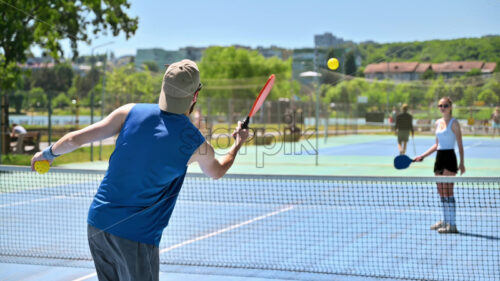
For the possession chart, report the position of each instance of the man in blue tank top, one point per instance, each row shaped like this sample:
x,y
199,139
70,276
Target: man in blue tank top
x,y
135,200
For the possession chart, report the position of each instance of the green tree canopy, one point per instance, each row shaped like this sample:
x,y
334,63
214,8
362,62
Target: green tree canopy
x,y
127,85
230,72
151,66
45,22
350,64
435,51
56,79
84,84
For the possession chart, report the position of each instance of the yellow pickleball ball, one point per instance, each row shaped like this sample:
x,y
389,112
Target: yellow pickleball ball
x,y
42,166
333,63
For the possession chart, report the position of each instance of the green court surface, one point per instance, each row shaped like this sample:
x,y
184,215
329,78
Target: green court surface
x,y
368,155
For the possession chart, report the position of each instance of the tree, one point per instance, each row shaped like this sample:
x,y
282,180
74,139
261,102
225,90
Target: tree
x,y
474,72
64,77
84,84
129,85
435,51
151,66
437,90
230,72
17,99
350,64
494,85
53,79
488,97
469,96
37,98
44,23
428,74
61,101
457,91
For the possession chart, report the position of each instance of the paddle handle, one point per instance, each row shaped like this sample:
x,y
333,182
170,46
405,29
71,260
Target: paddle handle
x,y
245,123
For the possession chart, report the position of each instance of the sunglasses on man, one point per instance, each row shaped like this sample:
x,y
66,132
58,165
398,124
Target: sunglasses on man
x,y
443,105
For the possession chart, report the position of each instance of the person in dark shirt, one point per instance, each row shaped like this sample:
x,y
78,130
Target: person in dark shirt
x,y
404,124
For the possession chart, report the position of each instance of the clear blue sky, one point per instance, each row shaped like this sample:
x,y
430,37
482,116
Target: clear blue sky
x,y
293,23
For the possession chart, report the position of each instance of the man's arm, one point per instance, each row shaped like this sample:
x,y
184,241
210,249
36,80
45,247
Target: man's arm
x,y
217,168
109,126
428,152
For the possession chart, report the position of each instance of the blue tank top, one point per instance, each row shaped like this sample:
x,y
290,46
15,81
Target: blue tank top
x,y
446,137
146,170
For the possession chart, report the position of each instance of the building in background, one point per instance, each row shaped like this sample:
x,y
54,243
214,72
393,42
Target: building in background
x,y
328,40
458,68
407,71
193,53
123,60
162,57
270,52
396,70
159,56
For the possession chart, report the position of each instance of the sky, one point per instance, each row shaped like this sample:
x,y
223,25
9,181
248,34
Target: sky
x,y
171,25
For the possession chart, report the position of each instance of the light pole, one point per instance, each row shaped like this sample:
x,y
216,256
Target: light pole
x,y
316,76
102,98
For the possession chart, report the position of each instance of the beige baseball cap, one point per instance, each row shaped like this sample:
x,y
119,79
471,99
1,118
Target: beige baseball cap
x,y
180,82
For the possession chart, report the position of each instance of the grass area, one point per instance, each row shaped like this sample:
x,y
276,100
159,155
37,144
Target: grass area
x,y
79,155
59,111
16,159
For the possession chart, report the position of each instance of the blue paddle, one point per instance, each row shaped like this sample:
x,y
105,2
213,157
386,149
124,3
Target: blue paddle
x,y
402,162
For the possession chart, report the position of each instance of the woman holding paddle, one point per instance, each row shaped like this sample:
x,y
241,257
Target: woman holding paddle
x,y
448,134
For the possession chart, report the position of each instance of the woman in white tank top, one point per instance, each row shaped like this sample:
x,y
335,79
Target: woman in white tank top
x,y
448,134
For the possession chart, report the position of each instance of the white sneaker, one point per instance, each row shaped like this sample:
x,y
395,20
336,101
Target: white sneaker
x,y
448,229
438,225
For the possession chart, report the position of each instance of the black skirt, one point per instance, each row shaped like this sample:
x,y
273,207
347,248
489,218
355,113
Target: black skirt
x,y
445,159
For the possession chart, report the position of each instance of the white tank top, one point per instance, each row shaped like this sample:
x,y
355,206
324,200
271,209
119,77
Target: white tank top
x,y
446,137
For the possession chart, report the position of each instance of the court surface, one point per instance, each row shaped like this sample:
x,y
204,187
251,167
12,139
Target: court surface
x,y
346,155
350,155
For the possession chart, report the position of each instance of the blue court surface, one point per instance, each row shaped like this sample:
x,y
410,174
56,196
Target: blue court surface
x,y
353,155
474,147
255,228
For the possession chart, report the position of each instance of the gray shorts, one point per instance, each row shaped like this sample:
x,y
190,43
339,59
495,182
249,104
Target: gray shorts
x,y
403,136
117,258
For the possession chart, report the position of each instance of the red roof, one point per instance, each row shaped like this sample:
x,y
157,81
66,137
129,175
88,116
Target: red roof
x,y
450,66
37,65
423,67
456,66
489,67
376,67
391,67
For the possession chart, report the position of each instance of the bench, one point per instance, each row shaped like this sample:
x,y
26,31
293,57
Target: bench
x,y
423,125
30,139
480,125
261,138
291,134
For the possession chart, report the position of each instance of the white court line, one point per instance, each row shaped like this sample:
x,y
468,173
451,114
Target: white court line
x,y
226,229
86,277
473,145
31,201
208,235
43,199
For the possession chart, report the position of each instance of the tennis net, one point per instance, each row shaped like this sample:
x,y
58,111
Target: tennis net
x,y
363,226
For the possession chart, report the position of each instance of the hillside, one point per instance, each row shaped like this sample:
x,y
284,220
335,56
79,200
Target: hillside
x,y
486,48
